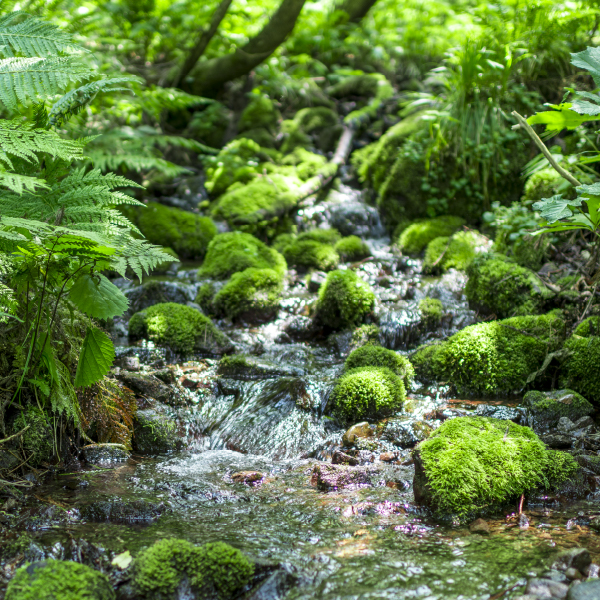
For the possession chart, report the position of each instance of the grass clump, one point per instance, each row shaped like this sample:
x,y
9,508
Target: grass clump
x,y
233,252
498,286
213,570
59,580
179,327
352,248
455,252
378,356
476,462
368,392
344,300
416,236
311,254
432,311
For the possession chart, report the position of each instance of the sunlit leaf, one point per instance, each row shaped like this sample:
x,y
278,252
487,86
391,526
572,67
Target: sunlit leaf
x,y
96,358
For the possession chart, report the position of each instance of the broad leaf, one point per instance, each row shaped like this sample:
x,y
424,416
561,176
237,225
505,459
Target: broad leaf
x,y
556,208
583,107
97,297
96,358
557,120
589,60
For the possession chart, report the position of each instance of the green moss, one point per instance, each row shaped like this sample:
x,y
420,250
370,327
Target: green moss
x,y
323,236
293,136
282,241
432,311
368,392
355,85
543,184
307,163
214,570
316,118
530,252
233,252
261,135
188,234
455,252
260,112
155,433
475,462
179,327
310,254
493,358
37,441
210,125
377,356
352,248
589,327
59,580
498,286
546,408
204,297
344,300
415,237
365,334
252,294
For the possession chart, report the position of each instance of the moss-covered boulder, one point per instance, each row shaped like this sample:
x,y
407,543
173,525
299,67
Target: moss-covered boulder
x,y
155,433
214,570
543,410
59,580
493,358
501,287
310,254
323,236
352,248
181,328
188,234
432,311
344,300
378,356
318,123
367,392
455,252
260,112
307,163
471,464
251,295
233,252
416,236
580,371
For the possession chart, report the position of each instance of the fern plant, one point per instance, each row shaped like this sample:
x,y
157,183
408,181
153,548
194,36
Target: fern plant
x,y
59,224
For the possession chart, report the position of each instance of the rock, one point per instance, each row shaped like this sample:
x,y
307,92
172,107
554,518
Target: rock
x,y
130,363
505,413
584,422
589,462
572,574
340,458
166,376
275,586
155,433
406,433
315,280
105,454
156,292
388,456
479,526
565,425
360,430
301,328
555,576
546,588
588,590
248,368
559,441
576,558
330,478
421,487
351,217
117,510
147,385
248,477
523,521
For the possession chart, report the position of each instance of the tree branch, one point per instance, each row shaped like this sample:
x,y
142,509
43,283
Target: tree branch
x,y
356,9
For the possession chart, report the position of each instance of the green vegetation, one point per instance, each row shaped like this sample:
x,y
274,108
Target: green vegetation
x,y
472,463
377,356
455,252
344,300
416,236
311,254
545,409
352,248
432,311
213,570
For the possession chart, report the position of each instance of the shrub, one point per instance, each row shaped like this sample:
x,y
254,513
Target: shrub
x,y
378,356
310,254
416,236
352,248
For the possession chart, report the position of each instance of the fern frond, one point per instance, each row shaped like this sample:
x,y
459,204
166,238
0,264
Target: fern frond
x,y
156,100
18,183
134,162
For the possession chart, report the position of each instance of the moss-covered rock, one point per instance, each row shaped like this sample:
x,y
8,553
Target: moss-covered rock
x,y
416,236
378,356
59,580
365,334
260,112
251,295
186,233
210,125
181,328
214,570
531,251
261,135
344,300
355,85
155,433
233,252
307,163
493,358
501,287
318,122
580,371
432,311
368,392
352,248
323,236
474,463
37,441
455,252
310,254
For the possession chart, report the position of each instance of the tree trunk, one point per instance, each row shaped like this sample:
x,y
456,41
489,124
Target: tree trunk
x,y
356,9
203,41
213,73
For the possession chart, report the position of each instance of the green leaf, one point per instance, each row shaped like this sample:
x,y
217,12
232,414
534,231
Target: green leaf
x,y
557,120
589,60
556,208
123,560
97,297
41,385
583,107
96,358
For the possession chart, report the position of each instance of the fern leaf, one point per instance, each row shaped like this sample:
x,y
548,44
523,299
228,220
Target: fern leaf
x,y
134,162
18,183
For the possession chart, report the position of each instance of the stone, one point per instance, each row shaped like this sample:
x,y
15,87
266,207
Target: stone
x,y
565,425
360,430
559,441
315,280
248,477
249,368
351,217
388,456
507,413
157,292
555,575
543,410
301,328
546,588
330,478
572,574
340,458
118,510
479,526
130,363
148,386
588,590
577,558
155,433
586,421
406,433
105,454
592,571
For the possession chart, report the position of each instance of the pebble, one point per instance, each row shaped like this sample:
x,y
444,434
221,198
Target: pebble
x,y
360,430
247,477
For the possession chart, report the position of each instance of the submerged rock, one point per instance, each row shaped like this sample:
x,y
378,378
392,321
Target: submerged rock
x,y
118,510
330,478
406,432
248,368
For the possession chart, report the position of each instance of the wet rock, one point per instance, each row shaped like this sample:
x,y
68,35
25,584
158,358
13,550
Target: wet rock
x,y
105,454
573,574
576,558
505,413
336,477
559,441
565,425
117,510
400,328
523,521
360,430
248,368
388,456
555,575
340,458
315,280
9,459
340,342
421,487
588,590
591,442
129,363
546,588
355,218
301,328
156,292
142,384
155,433
166,376
589,462
248,477
275,586
405,432
479,526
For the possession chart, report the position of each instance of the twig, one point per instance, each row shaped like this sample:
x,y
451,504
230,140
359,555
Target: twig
x,y
15,435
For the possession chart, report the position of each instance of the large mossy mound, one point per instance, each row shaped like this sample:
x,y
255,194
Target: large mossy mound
x,y
473,463
59,580
186,233
455,252
378,356
494,358
233,252
181,328
251,295
214,570
503,288
418,235
368,392
311,254
344,300
580,370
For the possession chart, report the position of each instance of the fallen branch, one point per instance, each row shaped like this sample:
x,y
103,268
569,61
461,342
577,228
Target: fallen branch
x,y
12,437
